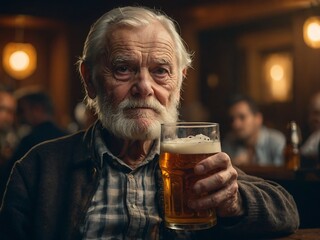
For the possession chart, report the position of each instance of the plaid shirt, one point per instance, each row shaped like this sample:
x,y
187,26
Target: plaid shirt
x,y
124,205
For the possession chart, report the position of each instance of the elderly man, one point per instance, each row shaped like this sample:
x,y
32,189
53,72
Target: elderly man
x,y
104,183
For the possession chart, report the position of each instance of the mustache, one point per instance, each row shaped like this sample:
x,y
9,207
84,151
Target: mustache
x,y
134,103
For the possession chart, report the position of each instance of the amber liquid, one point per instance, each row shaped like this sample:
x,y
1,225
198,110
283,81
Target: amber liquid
x,y
292,157
179,178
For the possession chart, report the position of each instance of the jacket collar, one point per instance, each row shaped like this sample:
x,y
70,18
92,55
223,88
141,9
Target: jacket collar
x,y
84,151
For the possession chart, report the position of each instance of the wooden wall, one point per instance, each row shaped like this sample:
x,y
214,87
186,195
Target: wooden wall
x,y
50,39
223,67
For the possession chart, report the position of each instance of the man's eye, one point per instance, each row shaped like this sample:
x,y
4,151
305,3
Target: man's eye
x,y
161,72
122,69
242,117
123,72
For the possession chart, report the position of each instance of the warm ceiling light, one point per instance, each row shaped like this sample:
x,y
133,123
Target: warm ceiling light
x,y
311,32
278,76
276,72
19,60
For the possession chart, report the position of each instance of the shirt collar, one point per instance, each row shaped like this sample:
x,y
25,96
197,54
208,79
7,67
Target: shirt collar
x,y
104,154
262,137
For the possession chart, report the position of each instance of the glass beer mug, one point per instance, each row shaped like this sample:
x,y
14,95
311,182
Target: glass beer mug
x,y
183,145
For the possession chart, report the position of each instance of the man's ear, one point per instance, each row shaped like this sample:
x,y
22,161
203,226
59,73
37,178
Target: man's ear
x,y
184,72
88,84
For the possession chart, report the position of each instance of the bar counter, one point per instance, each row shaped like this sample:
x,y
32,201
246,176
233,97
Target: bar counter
x,y
303,234
282,174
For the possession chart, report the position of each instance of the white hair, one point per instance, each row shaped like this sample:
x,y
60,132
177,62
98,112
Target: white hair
x,y
95,44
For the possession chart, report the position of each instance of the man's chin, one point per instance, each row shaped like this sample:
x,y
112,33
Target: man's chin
x,y
240,137
145,121
147,129
135,129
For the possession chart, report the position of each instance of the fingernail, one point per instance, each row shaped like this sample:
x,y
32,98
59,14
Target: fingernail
x,y
199,169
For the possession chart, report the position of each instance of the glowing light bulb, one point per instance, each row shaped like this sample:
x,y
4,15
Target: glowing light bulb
x,y
313,31
19,60
276,72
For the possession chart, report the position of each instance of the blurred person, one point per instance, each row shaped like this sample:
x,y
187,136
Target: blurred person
x,y
35,109
310,148
8,136
7,119
105,182
249,141
314,112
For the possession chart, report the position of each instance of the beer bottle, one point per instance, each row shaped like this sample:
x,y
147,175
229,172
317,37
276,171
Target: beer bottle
x,y
291,150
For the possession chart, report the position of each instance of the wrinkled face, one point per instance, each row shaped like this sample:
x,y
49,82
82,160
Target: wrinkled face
x,y
138,82
244,122
7,111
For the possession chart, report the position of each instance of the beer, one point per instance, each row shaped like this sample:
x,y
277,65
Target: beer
x,y
291,150
177,161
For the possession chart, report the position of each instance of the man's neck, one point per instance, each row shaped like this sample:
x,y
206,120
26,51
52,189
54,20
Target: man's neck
x,y
132,152
253,140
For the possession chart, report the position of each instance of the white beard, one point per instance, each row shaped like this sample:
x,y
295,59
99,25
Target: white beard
x,y
138,125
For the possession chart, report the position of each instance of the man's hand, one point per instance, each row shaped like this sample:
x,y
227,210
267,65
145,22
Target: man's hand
x,y
221,185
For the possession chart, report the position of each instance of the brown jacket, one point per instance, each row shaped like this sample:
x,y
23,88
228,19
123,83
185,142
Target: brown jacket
x,y
50,189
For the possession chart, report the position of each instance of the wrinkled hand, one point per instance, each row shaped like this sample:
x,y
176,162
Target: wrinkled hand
x,y
221,185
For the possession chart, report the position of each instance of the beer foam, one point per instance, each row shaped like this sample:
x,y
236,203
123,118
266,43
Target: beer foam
x,y
191,145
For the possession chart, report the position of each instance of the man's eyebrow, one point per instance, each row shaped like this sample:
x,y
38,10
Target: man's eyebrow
x,y
163,61
122,58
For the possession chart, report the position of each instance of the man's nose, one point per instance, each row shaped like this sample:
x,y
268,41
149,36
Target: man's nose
x,y
143,84
235,123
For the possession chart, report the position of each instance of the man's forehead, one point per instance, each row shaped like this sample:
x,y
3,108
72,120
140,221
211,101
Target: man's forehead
x,y
144,37
241,105
241,108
